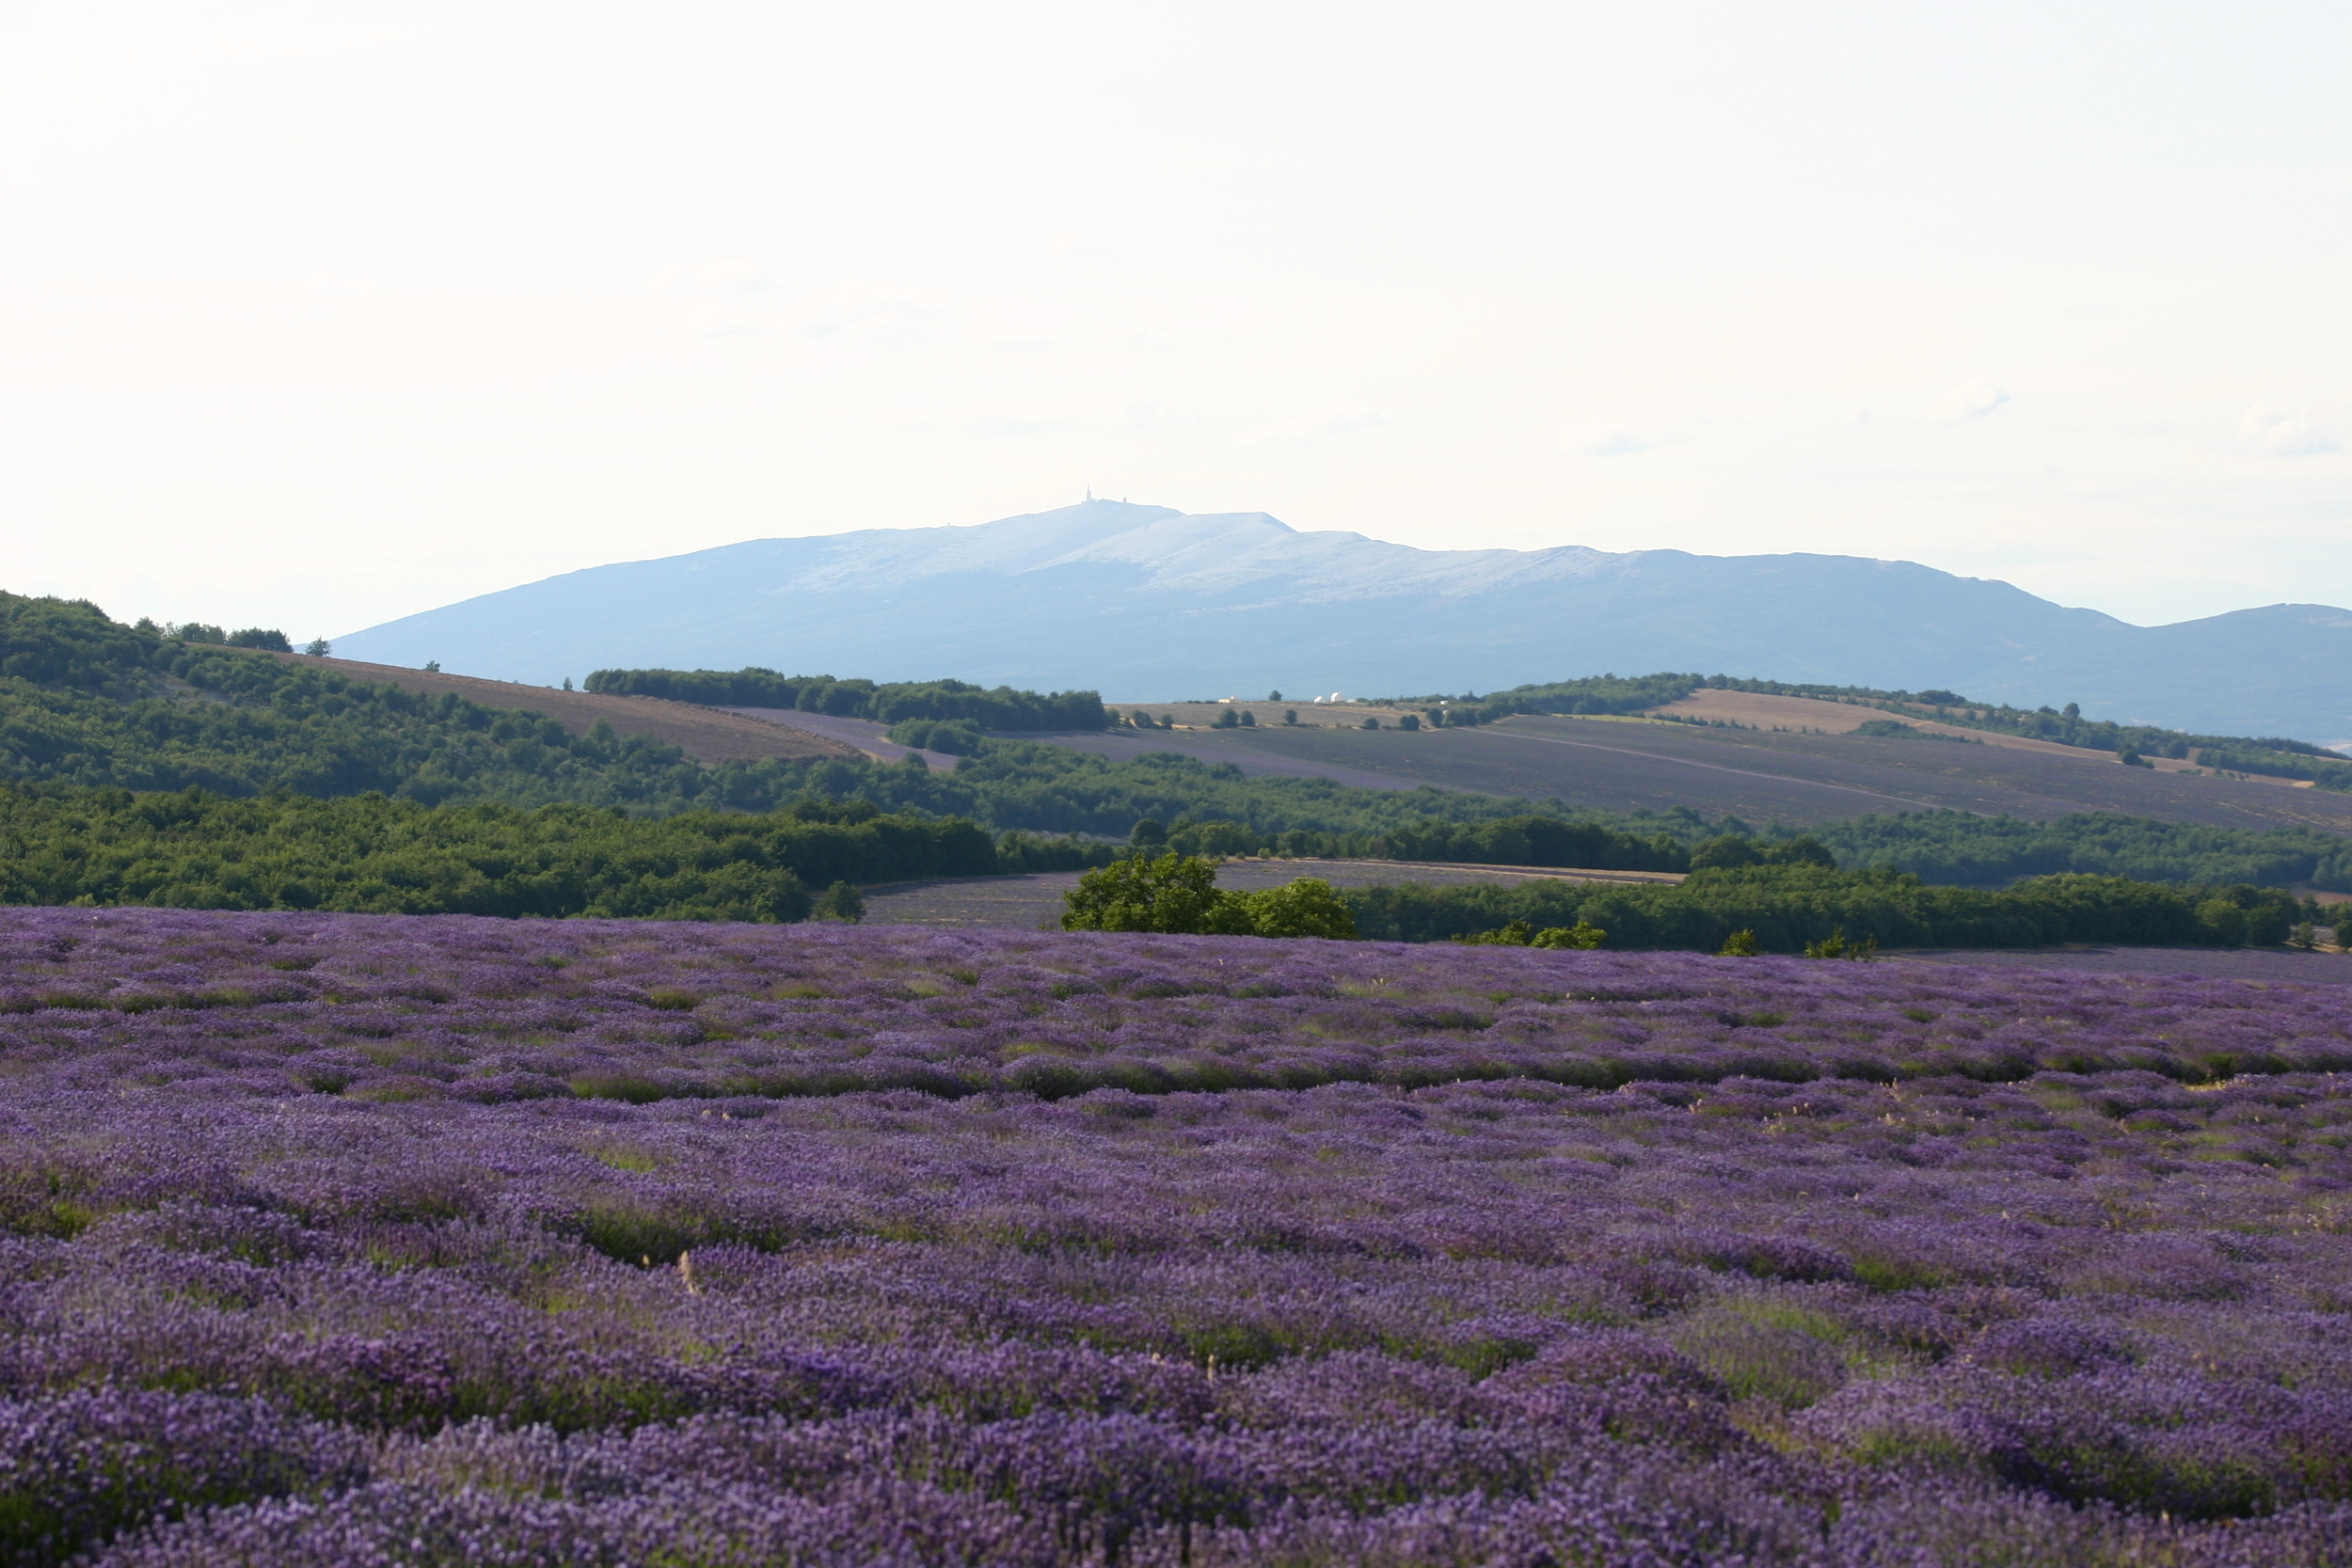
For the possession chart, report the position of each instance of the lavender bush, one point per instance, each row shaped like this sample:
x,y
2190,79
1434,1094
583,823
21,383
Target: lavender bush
x,y
361,1240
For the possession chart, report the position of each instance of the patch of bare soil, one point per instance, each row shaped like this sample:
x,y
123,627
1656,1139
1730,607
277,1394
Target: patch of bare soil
x,y
707,735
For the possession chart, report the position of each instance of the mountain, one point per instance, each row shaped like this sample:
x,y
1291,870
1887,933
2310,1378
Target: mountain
x,y
1144,602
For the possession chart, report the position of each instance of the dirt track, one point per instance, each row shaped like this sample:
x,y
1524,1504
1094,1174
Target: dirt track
x,y
707,734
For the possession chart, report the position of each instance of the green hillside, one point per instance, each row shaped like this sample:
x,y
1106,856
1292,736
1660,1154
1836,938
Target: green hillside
x,y
97,719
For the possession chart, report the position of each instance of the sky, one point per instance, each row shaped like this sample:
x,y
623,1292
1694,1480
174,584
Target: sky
x,y
316,315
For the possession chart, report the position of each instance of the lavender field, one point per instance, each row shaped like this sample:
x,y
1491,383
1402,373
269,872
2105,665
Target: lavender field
x,y
334,1239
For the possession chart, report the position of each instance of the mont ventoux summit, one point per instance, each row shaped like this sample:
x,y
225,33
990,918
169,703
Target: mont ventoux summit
x,y
1144,602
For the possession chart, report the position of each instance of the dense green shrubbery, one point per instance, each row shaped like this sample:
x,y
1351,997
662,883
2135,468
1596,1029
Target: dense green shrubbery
x,y
1795,906
1788,908
957,738
1177,895
1001,708
194,851
1989,851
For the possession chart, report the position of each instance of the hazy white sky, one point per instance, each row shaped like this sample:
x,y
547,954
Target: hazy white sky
x,y
318,314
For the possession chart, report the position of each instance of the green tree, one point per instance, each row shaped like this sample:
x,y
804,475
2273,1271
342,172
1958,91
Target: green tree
x,y
1725,852
842,901
1171,894
319,647
1741,944
1308,907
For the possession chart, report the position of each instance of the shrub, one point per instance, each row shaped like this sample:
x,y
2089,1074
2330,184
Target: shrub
x,y
1177,895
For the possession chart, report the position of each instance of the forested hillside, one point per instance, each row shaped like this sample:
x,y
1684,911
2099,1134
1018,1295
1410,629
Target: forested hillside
x,y
87,704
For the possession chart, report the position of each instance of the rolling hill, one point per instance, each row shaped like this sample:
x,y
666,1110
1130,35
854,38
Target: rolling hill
x,y
1137,600
1798,778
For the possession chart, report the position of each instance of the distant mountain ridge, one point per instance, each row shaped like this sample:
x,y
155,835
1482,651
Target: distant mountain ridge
x,y
1144,602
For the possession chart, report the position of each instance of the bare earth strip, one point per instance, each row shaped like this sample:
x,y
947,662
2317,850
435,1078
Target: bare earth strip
x,y
707,734
1033,902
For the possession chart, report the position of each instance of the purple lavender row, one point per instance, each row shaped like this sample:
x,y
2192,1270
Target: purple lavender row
x,y
2095,1315
490,1010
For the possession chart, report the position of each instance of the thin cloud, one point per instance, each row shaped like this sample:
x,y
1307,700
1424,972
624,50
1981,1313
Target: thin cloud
x,y
2287,435
1970,400
718,275
1605,441
1322,425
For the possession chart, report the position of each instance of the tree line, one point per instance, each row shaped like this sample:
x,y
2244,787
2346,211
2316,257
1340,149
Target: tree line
x,y
1592,694
1789,908
1795,904
1000,708
373,854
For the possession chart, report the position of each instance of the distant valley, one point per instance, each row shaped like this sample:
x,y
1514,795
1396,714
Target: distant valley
x,y
1134,600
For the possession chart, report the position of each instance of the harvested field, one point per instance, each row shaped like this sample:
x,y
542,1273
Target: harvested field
x,y
1034,902
707,734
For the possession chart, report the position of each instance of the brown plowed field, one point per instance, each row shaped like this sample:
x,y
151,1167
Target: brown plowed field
x,y
707,734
